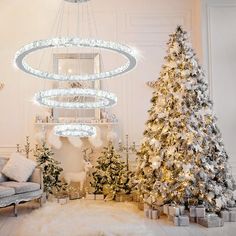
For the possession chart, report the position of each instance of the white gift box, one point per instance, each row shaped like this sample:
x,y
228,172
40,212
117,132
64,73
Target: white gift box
x,y
99,197
232,216
90,196
166,209
225,215
192,211
200,212
154,214
146,213
174,211
181,220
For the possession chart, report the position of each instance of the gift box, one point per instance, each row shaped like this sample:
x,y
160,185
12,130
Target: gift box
x,y
62,200
225,215
228,216
192,211
141,206
166,209
200,211
170,218
181,210
232,208
197,211
182,220
99,197
146,213
124,198
232,216
74,196
193,219
211,221
90,196
174,211
155,214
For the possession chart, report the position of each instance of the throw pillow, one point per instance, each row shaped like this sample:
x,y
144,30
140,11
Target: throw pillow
x,y
2,178
19,168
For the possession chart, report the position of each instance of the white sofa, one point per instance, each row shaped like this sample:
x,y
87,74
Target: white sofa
x,y
14,193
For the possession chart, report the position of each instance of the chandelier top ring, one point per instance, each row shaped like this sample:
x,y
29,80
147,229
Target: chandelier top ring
x,y
124,50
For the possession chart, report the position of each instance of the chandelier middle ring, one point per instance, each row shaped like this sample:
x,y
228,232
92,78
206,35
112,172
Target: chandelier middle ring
x,y
102,99
76,130
126,51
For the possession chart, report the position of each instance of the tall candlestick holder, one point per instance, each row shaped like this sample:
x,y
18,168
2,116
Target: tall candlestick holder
x,y
26,149
127,149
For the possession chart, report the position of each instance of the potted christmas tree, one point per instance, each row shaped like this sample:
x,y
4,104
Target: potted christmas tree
x,y
111,176
51,172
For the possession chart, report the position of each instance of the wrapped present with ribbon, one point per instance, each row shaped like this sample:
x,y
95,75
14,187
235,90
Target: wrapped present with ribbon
x,y
211,220
200,211
228,216
197,211
181,220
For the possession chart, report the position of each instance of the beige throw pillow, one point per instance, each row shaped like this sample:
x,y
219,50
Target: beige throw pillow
x,y
19,168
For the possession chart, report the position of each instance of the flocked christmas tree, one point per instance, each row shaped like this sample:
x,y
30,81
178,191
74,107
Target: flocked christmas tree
x,y
182,158
111,175
51,170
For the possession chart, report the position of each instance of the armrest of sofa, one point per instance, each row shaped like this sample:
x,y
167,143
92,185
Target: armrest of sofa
x,y
37,177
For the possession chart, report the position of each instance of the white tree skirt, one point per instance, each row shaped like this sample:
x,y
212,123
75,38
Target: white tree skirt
x,y
85,218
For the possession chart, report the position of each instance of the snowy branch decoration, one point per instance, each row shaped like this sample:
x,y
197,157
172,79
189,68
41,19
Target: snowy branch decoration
x,y
182,158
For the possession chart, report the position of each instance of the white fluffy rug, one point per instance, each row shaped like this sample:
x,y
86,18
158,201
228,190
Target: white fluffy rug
x,y
86,218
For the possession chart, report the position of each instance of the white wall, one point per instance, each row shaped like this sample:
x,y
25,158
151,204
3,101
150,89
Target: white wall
x,y
219,20
145,24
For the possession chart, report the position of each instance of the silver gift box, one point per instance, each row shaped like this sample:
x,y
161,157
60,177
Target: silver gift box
x,y
211,222
181,220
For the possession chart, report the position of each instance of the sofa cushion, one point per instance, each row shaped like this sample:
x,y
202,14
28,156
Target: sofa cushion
x,y
6,192
19,168
21,187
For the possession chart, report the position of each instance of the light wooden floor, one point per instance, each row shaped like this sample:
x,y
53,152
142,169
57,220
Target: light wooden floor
x,y
9,225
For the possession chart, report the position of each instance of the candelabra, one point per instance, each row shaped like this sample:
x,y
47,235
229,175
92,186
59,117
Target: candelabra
x,y
127,149
26,150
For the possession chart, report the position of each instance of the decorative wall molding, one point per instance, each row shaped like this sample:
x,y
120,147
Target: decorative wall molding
x,y
207,8
151,29
7,150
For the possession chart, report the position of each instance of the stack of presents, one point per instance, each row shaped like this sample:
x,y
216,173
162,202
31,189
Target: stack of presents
x,y
195,214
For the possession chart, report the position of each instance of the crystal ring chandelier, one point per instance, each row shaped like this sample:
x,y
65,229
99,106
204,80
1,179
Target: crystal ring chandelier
x,y
77,130
124,50
102,99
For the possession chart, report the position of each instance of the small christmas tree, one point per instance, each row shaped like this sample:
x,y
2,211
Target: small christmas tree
x,y
51,170
111,176
182,157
